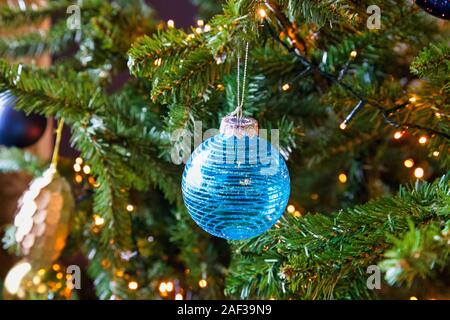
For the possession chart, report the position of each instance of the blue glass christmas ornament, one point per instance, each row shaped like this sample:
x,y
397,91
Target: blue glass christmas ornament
x,y
438,8
236,184
16,128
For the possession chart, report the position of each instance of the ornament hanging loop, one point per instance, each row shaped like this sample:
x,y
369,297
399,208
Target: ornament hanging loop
x,y
59,129
240,97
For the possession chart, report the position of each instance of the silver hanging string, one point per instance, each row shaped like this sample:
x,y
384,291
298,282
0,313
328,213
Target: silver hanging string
x,y
238,85
240,99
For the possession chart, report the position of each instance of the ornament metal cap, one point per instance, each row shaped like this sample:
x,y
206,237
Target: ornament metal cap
x,y
239,127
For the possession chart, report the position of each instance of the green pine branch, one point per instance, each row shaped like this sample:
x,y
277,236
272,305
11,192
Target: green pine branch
x,y
433,63
56,91
319,12
200,253
36,42
108,35
325,257
421,253
107,141
183,66
13,160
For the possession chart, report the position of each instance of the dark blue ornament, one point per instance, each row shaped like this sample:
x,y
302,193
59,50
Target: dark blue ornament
x,y
16,128
438,8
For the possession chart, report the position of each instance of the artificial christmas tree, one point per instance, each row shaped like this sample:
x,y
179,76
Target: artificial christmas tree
x,y
357,112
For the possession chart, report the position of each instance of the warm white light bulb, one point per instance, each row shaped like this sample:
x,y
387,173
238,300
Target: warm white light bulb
x,y
133,285
262,13
408,163
162,287
418,173
202,283
423,140
15,277
398,135
98,220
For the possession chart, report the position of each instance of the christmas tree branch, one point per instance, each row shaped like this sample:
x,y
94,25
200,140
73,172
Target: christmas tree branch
x,y
13,160
432,63
318,256
319,12
23,14
195,60
36,42
297,47
421,253
91,138
56,91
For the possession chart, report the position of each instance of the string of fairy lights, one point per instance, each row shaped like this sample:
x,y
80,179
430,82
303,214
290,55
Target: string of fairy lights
x,y
418,171
297,47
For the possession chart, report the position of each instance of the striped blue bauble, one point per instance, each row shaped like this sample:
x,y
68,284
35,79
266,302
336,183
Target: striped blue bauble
x,y
236,185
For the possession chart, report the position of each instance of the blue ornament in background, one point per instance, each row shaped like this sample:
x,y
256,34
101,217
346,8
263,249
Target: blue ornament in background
x,y
438,8
236,184
16,128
